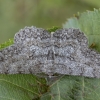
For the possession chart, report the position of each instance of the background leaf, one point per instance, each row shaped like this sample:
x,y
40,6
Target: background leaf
x,y
21,87
89,23
73,88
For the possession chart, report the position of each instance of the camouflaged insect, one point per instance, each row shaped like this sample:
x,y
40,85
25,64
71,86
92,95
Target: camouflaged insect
x,y
36,50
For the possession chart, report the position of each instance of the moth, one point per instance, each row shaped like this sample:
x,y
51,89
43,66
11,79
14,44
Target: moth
x,y
36,50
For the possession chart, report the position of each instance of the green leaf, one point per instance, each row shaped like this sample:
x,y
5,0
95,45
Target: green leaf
x,y
21,87
73,88
6,44
53,29
89,23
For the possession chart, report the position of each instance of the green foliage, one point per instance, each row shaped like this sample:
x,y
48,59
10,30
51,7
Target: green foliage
x,y
21,87
89,23
73,88
53,29
6,44
30,87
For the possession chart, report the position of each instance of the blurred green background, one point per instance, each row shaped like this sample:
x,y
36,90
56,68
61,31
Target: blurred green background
x,y
16,14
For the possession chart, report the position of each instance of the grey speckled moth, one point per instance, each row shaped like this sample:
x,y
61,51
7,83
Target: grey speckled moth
x,y
36,50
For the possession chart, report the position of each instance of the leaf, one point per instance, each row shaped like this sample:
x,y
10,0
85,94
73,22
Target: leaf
x,y
89,23
8,43
73,88
21,87
53,29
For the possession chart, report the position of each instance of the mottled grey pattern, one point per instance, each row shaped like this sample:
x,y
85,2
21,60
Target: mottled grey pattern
x,y
36,50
